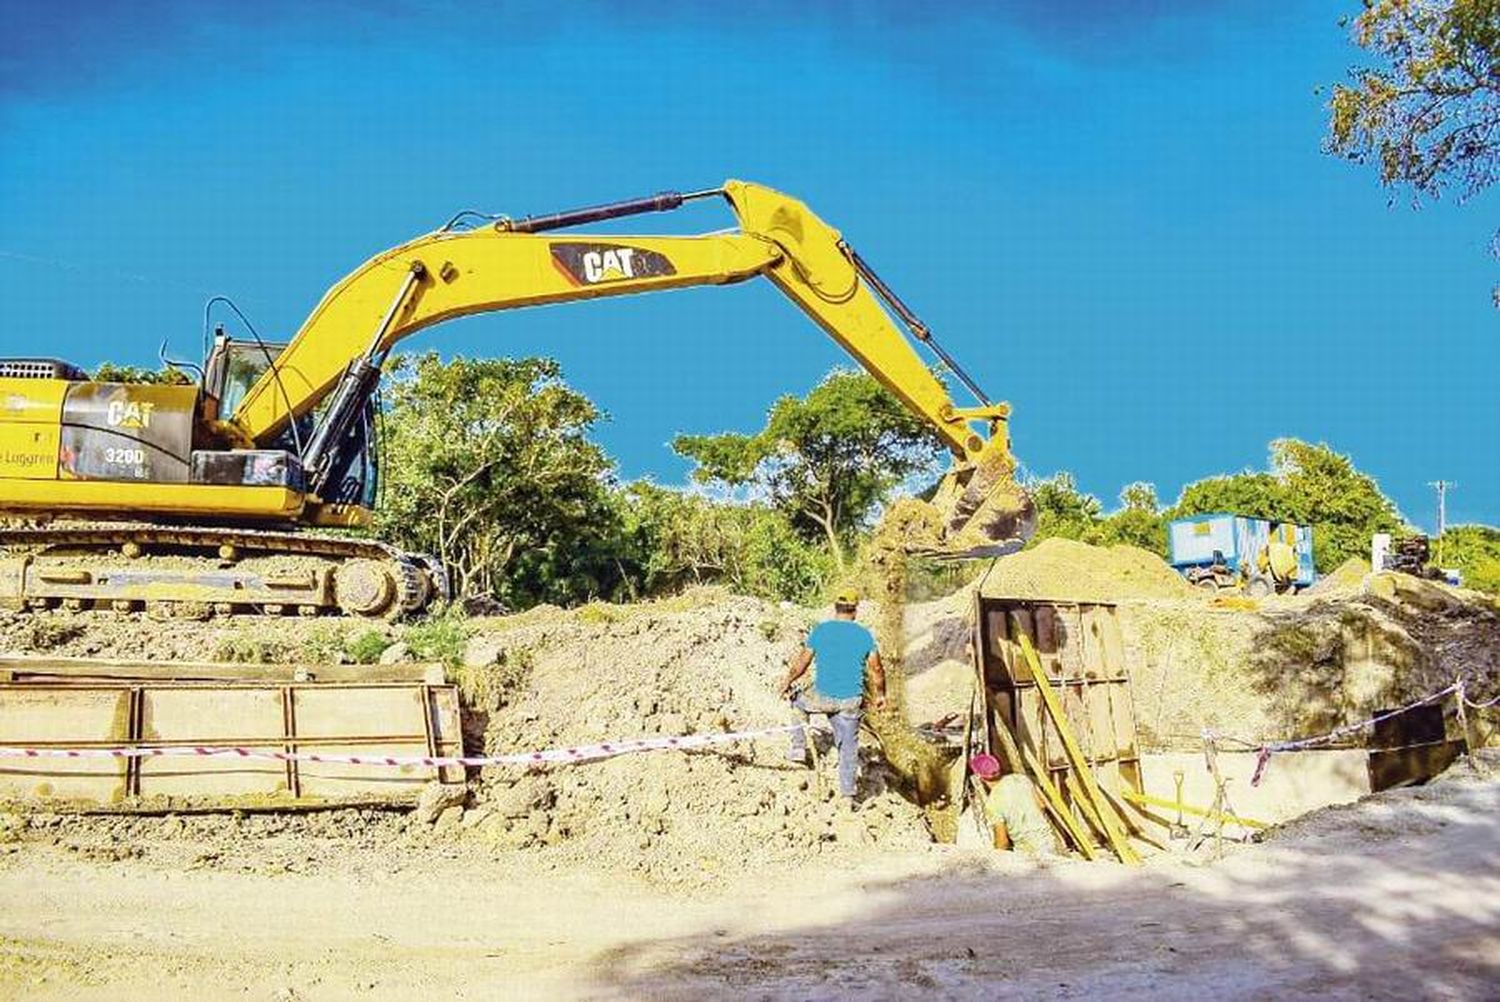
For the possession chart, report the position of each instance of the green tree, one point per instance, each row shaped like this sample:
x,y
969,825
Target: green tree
x,y
674,538
1065,511
1062,509
826,460
1428,114
1137,522
1474,550
489,466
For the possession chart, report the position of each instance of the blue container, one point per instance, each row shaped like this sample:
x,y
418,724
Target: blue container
x,y
1238,538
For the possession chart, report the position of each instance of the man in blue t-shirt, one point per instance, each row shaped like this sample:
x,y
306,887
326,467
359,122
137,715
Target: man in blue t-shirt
x,y
845,653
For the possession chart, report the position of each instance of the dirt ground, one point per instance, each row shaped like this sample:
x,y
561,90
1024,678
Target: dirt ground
x,y
1396,897
732,871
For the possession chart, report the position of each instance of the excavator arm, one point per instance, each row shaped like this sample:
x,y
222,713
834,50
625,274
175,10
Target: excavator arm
x,y
507,264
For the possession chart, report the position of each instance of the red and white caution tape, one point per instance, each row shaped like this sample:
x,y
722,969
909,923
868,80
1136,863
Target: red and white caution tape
x,y
1264,753
551,756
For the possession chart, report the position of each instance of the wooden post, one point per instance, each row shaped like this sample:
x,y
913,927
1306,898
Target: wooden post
x,y
1463,722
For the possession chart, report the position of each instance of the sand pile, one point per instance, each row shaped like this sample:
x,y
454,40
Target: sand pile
x,y
1067,569
1346,578
1303,665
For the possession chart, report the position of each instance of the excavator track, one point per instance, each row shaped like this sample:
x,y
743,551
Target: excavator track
x,y
130,566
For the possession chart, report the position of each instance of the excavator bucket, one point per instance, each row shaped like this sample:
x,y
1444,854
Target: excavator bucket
x,y
978,510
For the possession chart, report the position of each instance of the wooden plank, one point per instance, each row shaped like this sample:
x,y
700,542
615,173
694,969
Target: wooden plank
x,y
1112,642
1062,815
1054,752
335,718
1392,767
1094,665
1006,741
1080,764
1075,707
1070,638
1101,721
995,644
1019,624
979,644
51,717
1075,791
1122,713
1047,637
1025,762
25,669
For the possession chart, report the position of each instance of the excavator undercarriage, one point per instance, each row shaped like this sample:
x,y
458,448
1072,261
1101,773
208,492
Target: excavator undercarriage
x,y
199,570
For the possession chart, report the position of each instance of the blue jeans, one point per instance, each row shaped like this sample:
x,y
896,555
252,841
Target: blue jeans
x,y
843,715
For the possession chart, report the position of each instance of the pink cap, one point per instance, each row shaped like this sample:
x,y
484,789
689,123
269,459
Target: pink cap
x,y
984,765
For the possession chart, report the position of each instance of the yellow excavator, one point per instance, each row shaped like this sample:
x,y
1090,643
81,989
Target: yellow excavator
x,y
120,495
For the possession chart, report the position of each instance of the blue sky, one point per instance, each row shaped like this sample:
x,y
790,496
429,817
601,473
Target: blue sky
x,y
1116,215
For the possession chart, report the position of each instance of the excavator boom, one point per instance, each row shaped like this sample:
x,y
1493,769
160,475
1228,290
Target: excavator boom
x,y
508,264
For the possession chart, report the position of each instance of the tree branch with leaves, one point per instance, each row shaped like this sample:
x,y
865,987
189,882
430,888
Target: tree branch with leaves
x,y
827,460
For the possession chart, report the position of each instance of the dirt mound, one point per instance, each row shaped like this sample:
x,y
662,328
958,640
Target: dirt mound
x,y
701,664
709,661
1067,569
1300,666
547,678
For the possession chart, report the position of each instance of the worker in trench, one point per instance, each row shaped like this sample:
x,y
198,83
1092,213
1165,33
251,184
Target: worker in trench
x,y
1014,809
846,659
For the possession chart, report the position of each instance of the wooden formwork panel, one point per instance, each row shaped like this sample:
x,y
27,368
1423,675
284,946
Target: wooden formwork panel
x,y
36,718
401,719
1081,650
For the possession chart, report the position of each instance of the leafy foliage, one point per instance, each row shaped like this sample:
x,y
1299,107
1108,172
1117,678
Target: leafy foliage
x,y
1474,550
366,648
1429,114
1065,511
109,372
675,539
441,637
1062,509
826,460
1138,521
488,466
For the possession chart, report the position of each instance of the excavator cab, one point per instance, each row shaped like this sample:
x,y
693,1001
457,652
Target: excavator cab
x,y
233,367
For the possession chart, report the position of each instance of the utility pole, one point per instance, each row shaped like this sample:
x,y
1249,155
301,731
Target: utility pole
x,y
1442,487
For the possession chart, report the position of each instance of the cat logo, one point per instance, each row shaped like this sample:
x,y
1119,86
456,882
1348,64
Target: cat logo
x,y
608,266
129,413
599,264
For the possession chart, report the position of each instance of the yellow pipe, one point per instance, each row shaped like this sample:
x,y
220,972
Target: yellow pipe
x,y
1142,798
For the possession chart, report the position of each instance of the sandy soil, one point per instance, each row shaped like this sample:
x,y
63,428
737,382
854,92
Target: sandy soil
x,y
1397,897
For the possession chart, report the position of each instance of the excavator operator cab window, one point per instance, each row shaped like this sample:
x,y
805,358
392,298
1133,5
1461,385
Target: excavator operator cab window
x,y
233,367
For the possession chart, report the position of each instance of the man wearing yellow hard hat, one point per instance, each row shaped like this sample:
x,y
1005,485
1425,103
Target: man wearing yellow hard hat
x,y
845,654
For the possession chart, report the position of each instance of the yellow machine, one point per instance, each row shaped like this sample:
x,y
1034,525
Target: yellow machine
x,y
134,494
